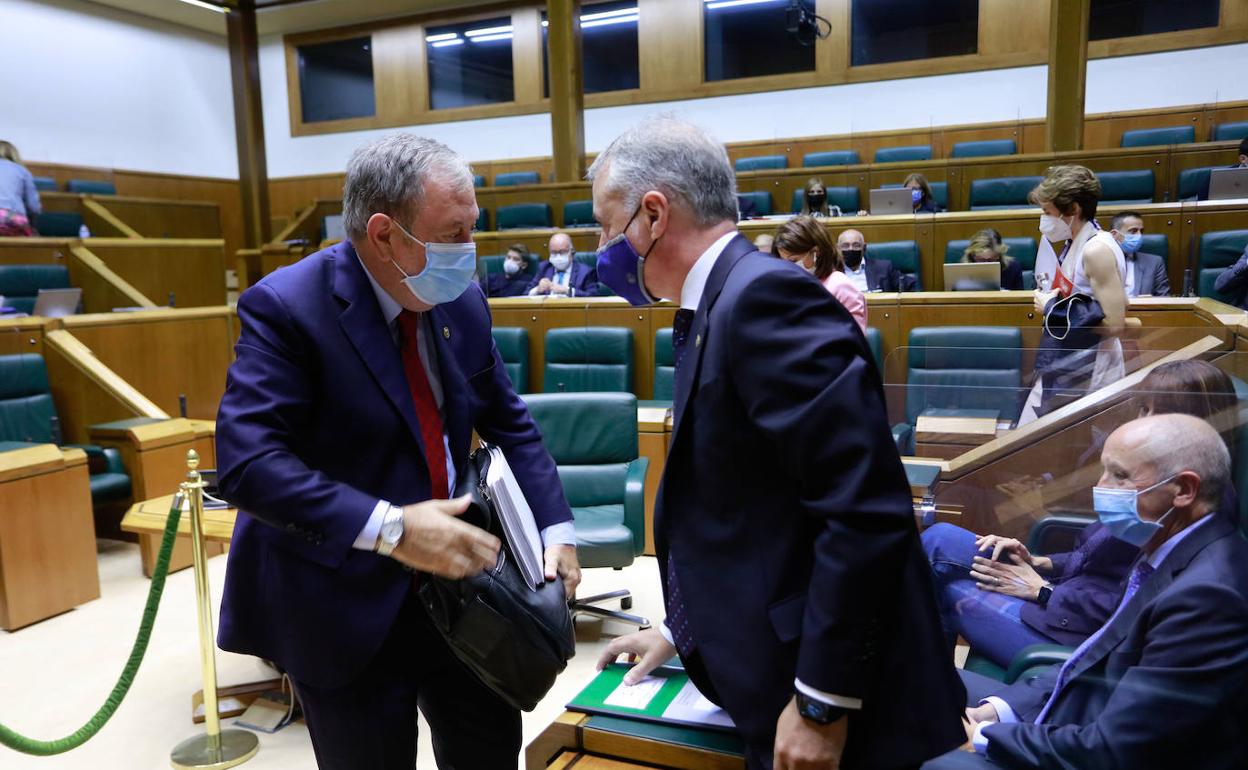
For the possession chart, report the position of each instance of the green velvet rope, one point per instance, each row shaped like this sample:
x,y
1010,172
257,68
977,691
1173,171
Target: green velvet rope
x,y
83,734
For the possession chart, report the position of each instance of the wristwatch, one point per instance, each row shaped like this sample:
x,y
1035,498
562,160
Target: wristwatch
x,y
391,532
815,710
1042,597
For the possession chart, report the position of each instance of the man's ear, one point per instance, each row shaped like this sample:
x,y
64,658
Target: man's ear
x,y
1189,488
657,208
380,230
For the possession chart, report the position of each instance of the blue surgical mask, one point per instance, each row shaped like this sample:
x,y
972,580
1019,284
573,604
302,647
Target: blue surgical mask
x,y
1118,510
916,195
621,268
449,268
1131,243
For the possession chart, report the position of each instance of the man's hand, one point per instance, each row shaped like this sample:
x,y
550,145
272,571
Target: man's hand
x,y
804,745
435,541
1017,579
561,563
543,286
1000,544
558,288
984,712
648,645
1041,299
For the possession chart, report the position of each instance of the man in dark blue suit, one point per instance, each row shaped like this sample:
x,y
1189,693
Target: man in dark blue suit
x,y
1165,682
796,590
869,274
562,275
361,373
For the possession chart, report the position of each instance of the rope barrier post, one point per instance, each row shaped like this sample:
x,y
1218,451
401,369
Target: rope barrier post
x,y
216,748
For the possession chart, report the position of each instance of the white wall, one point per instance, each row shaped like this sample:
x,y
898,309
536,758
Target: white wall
x,y
1198,76
89,85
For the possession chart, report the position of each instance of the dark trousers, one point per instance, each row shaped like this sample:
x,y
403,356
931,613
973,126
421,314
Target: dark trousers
x,y
370,723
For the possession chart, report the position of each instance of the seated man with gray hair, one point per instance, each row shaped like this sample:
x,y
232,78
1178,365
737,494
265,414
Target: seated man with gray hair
x,y
1163,682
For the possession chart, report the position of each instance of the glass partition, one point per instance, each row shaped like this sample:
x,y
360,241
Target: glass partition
x,y
336,80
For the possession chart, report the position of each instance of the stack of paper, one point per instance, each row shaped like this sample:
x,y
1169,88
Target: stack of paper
x,y
519,528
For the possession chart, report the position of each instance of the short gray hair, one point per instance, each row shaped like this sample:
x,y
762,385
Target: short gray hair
x,y
1180,442
388,175
679,160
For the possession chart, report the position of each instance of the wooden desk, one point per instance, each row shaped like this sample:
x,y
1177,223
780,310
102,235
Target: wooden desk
x,y
654,434
150,516
606,742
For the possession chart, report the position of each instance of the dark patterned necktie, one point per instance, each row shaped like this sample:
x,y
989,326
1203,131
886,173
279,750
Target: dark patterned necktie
x,y
677,620
680,333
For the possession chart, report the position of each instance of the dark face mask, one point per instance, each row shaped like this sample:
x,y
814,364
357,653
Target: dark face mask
x,y
853,257
816,200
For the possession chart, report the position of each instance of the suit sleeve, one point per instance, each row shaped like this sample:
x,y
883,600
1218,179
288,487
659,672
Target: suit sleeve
x,y
1193,664
802,369
268,395
1161,279
536,280
589,286
1234,280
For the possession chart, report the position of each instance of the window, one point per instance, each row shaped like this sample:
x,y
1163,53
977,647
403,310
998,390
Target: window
x,y
748,38
608,48
903,30
1128,18
336,80
470,64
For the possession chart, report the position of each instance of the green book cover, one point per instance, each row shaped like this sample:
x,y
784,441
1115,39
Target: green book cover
x,y
670,699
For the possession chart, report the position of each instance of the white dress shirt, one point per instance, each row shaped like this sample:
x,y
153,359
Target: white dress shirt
x,y
563,533
561,278
859,276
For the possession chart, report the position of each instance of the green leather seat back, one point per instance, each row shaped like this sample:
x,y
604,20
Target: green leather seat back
x,y
761,200
762,162
520,215
873,341
844,197
1231,132
512,178
1148,137
26,409
903,254
494,265
45,184
58,224
478,180
1218,251
1003,193
20,284
1122,187
1021,249
587,258
1193,180
579,214
664,366
483,220
899,154
589,359
1156,243
960,368
940,192
513,348
984,148
91,187
831,158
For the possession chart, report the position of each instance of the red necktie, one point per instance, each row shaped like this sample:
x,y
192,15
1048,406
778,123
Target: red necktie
x,y
426,406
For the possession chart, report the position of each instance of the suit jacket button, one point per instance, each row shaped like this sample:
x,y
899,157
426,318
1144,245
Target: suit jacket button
x,y
1065,622
291,528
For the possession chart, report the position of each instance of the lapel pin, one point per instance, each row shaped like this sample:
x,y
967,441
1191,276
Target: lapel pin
x,y
446,332
697,341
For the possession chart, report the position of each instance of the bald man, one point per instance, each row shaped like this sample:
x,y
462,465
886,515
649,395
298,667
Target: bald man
x,y
561,275
868,274
1165,682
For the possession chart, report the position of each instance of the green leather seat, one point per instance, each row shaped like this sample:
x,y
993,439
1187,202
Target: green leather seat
x,y
513,348
28,415
58,224
45,184
512,178
904,255
899,154
1021,249
1149,137
831,158
983,149
844,197
593,440
1231,132
761,200
1126,187
762,163
483,220
1003,193
579,214
940,192
1218,251
20,284
91,187
964,371
478,180
873,341
664,366
1156,243
1193,180
589,359
522,215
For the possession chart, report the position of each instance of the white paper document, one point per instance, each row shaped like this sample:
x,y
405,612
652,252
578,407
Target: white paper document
x,y
690,705
519,526
636,696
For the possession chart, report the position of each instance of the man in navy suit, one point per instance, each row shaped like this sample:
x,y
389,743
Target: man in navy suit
x,y
797,593
1146,273
869,274
361,373
1165,682
562,275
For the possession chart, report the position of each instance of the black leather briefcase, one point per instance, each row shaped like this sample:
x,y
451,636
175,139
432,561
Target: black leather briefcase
x,y
515,639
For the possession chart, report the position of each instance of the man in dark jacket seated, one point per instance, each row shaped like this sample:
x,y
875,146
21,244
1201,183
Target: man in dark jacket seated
x,y
512,282
1234,281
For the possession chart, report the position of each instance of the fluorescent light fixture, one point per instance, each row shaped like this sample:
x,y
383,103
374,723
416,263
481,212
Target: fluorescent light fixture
x,y
441,37
604,22
487,31
712,5
608,14
209,6
445,43
488,38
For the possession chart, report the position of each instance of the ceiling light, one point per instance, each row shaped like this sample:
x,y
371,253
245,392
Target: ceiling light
x,y
442,36
712,5
488,38
487,31
445,43
604,22
609,14
209,6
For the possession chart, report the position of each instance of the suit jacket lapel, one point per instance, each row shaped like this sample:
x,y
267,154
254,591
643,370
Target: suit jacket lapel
x,y
454,384
1139,276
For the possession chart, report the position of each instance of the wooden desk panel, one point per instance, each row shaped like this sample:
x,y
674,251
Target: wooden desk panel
x,y
21,335
155,218
34,251
190,272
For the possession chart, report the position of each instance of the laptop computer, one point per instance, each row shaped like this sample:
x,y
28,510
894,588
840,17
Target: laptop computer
x,y
1228,184
334,229
973,276
892,200
54,303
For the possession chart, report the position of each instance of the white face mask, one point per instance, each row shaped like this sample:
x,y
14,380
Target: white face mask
x,y
510,267
560,260
1054,228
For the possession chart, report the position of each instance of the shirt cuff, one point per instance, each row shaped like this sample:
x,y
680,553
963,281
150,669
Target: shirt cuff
x,y
1005,714
563,533
367,539
666,633
840,701
979,741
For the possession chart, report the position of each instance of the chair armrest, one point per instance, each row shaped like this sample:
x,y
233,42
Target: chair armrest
x,y
1042,539
113,456
635,502
902,433
100,459
1036,656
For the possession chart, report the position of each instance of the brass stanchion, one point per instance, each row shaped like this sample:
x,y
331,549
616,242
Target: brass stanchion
x,y
216,748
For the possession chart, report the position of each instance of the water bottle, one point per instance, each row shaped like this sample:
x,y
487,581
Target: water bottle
x,y
83,231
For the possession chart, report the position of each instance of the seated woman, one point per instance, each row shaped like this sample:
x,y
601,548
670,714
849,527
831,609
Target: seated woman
x,y
987,246
921,194
815,198
1000,597
804,241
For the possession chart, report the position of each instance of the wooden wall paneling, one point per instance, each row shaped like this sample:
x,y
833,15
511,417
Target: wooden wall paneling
x,y
527,55
188,273
669,44
289,195
22,335
34,251
1009,26
61,201
102,288
832,53
399,72
154,218
223,192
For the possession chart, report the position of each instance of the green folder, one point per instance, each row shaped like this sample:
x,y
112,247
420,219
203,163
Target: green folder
x,y
592,699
